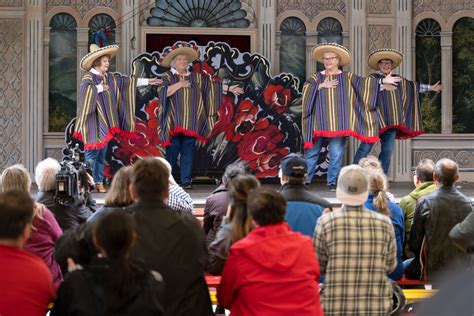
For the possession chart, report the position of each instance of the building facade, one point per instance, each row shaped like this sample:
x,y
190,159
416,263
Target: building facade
x,y
42,42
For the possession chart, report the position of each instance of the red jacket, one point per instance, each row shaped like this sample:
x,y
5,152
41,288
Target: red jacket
x,y
273,271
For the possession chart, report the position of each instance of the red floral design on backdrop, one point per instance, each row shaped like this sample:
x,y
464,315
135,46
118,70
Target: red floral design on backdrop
x,y
203,68
277,98
259,143
224,115
245,121
268,165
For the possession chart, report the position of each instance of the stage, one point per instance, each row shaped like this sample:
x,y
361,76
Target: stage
x,y
399,189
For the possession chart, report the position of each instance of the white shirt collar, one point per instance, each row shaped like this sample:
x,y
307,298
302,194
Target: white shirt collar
x,y
95,72
175,72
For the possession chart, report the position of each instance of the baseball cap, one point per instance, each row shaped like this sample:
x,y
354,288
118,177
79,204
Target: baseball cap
x,y
293,165
352,186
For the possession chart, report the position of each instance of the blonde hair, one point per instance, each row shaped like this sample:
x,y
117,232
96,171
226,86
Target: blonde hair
x,y
168,166
45,174
371,164
17,178
378,188
119,194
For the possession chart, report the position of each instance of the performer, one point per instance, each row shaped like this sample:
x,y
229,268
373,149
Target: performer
x,y
107,106
398,107
189,107
337,104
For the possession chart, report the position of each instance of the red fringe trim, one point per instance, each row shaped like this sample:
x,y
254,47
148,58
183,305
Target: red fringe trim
x,y
113,132
407,133
180,130
328,134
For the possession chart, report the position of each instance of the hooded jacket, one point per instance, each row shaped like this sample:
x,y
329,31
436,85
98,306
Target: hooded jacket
x,y
273,271
408,202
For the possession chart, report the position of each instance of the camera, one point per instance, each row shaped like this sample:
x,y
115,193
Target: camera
x,y
72,177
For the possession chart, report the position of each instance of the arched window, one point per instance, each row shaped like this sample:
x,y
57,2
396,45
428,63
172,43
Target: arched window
x,y
463,76
329,31
102,33
293,48
199,13
62,71
428,70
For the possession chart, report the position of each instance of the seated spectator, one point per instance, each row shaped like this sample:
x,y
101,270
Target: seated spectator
x,y
26,283
237,223
424,185
68,216
378,201
45,230
372,163
435,215
77,243
462,234
218,202
111,284
303,207
118,197
357,250
178,199
170,243
272,271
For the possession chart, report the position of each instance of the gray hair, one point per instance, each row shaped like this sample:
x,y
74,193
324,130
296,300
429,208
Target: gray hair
x,y
45,174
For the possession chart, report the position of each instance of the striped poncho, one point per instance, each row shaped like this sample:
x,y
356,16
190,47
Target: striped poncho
x,y
105,114
191,111
400,109
346,110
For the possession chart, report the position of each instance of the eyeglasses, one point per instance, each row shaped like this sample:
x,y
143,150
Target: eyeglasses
x,y
414,172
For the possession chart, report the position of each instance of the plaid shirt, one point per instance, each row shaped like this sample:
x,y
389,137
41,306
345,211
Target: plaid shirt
x,y
356,249
179,200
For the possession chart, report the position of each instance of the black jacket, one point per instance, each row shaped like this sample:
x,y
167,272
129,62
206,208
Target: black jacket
x,y
173,244
83,293
69,216
299,192
435,215
462,235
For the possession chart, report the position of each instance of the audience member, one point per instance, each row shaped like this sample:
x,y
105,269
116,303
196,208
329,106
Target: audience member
x,y
303,207
462,234
237,223
378,201
68,216
356,249
373,164
111,284
272,271
26,283
45,230
170,243
424,185
435,215
218,202
178,199
118,197
77,243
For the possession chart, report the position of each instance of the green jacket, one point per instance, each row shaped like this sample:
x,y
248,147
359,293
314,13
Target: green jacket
x,y
408,204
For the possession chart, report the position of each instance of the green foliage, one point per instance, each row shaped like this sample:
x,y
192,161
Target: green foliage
x,y
463,76
61,111
428,71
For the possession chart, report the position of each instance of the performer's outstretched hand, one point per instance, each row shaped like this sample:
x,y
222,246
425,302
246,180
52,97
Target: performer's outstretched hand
x,y
155,81
236,89
328,84
183,83
389,79
436,87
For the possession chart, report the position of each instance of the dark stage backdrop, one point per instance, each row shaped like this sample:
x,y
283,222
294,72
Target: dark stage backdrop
x,y
259,127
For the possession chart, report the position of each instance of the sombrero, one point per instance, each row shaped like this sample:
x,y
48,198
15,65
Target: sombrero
x,y
181,48
384,53
343,53
97,52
